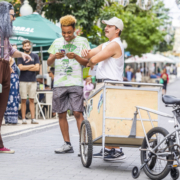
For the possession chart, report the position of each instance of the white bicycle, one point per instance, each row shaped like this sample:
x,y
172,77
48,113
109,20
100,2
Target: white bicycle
x,y
160,150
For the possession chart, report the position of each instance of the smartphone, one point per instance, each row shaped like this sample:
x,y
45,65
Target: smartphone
x,y
62,51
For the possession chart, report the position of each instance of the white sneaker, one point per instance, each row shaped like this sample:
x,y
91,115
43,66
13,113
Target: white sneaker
x,y
33,121
24,121
65,148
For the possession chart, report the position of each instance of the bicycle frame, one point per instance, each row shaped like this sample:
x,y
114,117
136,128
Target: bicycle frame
x,y
177,129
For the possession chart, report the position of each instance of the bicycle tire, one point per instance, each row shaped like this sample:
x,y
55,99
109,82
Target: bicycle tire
x,y
88,160
146,168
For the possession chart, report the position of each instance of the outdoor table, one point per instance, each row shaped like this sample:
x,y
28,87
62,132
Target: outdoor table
x,y
48,95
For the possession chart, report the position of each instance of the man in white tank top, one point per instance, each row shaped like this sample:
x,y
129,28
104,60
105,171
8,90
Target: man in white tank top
x,y
110,59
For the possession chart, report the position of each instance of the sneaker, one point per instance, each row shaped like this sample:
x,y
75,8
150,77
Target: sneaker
x,y
7,151
33,121
115,155
66,148
99,155
24,121
28,115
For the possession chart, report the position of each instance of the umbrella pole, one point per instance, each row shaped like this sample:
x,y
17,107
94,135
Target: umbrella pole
x,y
42,64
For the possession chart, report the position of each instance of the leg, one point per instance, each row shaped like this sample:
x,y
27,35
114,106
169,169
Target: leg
x,y
76,100
79,118
23,108
5,81
60,105
23,94
64,126
32,86
31,107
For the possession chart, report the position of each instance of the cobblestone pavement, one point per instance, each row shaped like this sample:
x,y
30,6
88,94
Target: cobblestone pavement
x,y
35,158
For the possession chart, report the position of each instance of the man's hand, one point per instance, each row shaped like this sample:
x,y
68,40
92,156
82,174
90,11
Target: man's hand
x,y
59,55
26,56
85,53
90,64
71,55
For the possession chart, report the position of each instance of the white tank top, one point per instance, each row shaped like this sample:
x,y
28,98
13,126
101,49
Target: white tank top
x,y
111,68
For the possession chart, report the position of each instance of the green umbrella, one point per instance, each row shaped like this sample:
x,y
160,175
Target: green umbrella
x,y
40,31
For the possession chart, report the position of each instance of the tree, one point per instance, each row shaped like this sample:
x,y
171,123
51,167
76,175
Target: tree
x,y
166,27
85,11
140,27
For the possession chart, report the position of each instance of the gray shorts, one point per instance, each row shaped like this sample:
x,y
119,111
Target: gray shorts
x,y
68,98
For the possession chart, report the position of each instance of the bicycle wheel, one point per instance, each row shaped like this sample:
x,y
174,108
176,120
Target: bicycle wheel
x,y
86,144
157,168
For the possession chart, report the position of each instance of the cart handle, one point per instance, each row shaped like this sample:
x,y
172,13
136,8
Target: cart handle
x,y
133,83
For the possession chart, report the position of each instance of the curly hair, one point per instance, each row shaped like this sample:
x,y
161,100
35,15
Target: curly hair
x,y
68,20
6,27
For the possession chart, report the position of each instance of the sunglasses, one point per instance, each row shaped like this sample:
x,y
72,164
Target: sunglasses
x,y
49,72
13,15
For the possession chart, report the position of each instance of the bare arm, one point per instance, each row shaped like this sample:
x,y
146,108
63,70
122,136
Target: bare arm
x,y
109,51
18,54
90,53
25,68
34,68
51,59
82,61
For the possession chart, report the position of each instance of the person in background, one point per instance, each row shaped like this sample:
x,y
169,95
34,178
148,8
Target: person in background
x,y
51,75
28,84
165,78
11,114
129,74
39,79
132,75
7,16
88,87
158,70
138,76
168,69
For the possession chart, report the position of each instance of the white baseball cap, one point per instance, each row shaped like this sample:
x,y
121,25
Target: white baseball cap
x,y
115,22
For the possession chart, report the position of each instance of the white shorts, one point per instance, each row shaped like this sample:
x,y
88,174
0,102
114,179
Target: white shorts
x,y
28,88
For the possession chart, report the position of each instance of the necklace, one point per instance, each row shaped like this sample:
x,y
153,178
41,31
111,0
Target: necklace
x,y
69,43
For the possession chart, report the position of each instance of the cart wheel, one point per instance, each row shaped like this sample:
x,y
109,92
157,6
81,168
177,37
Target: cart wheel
x,y
86,145
135,172
175,173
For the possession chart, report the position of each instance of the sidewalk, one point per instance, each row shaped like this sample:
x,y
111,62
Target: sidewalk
x,y
172,78
14,130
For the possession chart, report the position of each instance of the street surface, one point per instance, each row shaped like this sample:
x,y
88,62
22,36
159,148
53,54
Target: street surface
x,y
35,158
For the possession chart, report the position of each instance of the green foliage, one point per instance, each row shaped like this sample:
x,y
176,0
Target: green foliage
x,y
17,5
6,0
140,27
85,12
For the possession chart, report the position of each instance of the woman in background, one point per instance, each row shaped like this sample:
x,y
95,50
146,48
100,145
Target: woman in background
x,y
165,78
138,76
11,114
